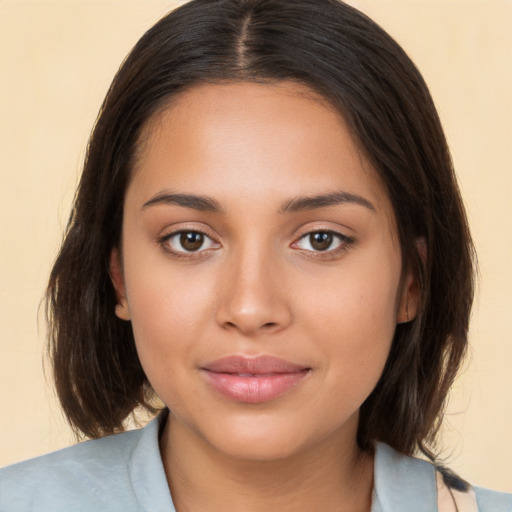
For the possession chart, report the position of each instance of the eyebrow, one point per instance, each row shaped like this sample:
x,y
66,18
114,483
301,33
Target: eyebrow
x,y
297,204
300,204
195,202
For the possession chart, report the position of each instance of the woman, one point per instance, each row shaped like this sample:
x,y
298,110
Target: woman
x,y
267,235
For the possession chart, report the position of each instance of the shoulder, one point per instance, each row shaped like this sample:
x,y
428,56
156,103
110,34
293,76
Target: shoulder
x,y
493,501
79,475
102,474
404,483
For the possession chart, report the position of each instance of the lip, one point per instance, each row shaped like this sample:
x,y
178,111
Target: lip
x,y
253,380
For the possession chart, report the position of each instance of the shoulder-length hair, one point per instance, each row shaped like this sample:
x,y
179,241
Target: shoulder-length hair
x,y
348,59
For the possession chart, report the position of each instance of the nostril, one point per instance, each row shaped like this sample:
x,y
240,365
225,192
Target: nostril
x,y
266,326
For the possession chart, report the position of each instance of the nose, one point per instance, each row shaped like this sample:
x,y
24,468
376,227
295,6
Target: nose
x,y
253,298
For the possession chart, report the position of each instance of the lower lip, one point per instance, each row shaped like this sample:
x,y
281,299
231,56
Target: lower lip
x,y
254,390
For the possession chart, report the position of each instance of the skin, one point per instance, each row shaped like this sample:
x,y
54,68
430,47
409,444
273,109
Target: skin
x,y
258,286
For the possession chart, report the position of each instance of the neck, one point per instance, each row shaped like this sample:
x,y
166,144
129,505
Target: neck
x,y
336,475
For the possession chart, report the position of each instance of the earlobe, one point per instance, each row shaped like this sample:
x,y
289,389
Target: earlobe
x,y
116,275
122,312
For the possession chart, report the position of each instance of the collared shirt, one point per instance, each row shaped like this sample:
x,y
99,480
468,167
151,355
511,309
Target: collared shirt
x,y
125,473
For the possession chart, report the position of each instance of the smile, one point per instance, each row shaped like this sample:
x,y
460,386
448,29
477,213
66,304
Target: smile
x,y
253,380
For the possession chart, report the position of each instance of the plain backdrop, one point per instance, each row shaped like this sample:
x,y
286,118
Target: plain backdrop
x,y
57,59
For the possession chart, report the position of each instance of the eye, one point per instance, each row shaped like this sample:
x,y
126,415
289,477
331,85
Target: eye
x,y
188,242
322,241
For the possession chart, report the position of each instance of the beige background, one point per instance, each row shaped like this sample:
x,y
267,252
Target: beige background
x,y
56,61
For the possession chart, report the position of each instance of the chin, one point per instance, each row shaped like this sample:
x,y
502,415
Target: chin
x,y
247,437
260,449
264,439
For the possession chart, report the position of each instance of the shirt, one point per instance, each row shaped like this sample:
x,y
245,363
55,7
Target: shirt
x,y
124,472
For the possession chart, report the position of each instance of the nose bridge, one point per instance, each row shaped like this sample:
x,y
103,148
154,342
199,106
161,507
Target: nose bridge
x,y
252,299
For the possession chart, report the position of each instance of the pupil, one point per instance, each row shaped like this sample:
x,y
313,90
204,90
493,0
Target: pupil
x,y
320,241
191,241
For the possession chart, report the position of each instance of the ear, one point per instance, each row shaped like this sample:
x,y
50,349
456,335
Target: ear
x,y
116,274
409,299
410,293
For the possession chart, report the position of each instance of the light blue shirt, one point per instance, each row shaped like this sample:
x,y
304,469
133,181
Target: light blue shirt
x,y
125,473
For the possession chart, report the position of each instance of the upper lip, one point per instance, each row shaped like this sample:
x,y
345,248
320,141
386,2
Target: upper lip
x,y
264,364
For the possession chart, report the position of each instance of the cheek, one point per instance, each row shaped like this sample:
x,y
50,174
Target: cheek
x,y
352,315
168,312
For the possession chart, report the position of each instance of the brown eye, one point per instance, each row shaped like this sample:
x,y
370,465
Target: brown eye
x,y
191,240
328,242
188,242
321,240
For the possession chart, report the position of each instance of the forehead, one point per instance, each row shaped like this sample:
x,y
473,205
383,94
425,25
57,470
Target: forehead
x,y
244,139
232,104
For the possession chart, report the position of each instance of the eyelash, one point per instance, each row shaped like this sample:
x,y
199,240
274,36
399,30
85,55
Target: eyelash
x,y
164,243
344,244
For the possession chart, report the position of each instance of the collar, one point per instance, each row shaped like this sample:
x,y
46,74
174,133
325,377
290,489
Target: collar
x,y
147,474
401,483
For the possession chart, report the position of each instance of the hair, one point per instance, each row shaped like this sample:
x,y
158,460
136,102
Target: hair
x,y
349,60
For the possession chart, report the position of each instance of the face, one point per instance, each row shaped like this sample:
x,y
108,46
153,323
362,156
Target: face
x,y
260,269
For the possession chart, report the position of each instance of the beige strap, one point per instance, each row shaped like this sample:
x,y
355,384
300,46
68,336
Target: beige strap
x,y
450,500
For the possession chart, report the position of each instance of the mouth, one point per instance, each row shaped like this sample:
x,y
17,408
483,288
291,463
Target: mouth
x,y
253,380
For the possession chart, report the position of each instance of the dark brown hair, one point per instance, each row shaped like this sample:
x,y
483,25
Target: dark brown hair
x,y
360,70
